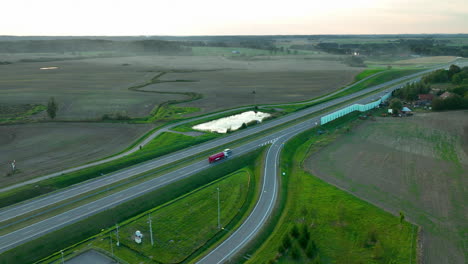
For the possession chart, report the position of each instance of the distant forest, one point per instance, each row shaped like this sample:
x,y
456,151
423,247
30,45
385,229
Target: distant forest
x,y
379,45
425,46
96,45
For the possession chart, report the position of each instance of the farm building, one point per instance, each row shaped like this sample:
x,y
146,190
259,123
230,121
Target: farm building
x,y
406,110
446,95
425,97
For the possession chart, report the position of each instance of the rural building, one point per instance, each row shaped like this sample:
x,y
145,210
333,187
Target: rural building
x,y
424,100
425,97
406,110
446,95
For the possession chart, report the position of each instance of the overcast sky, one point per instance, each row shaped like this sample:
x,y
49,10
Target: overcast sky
x,y
241,17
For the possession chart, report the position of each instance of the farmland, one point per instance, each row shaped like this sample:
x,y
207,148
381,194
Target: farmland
x,y
416,165
331,225
89,90
41,148
269,79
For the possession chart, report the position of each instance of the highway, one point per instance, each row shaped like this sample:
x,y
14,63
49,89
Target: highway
x,y
147,140
38,229
94,184
231,245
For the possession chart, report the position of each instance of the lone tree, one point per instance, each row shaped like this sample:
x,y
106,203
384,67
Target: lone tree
x,y
396,105
52,108
402,217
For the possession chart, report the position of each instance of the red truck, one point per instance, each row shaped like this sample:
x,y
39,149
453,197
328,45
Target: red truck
x,y
219,156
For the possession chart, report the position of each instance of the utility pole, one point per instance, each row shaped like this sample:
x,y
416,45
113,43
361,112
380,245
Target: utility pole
x,y
151,230
219,211
112,247
61,252
118,239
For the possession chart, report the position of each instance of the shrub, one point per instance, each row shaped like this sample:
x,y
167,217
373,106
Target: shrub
x,y
305,236
295,252
286,241
295,231
311,250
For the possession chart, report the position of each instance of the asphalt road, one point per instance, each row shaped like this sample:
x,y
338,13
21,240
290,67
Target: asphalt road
x,y
151,137
38,229
33,231
91,185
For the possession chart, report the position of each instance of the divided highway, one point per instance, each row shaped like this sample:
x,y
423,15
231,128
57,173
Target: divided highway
x,y
91,185
154,135
230,246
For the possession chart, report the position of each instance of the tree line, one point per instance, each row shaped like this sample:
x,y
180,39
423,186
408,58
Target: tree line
x,y
86,45
424,46
458,98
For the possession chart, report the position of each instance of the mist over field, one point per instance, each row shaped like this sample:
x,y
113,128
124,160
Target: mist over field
x,y
80,110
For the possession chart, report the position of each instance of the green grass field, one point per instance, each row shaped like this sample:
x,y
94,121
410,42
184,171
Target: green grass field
x,y
344,228
187,224
367,73
415,165
90,229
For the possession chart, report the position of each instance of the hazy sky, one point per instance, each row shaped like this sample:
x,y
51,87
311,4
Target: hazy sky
x,y
241,17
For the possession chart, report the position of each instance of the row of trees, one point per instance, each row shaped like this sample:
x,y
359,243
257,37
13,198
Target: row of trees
x,y
454,74
454,102
459,95
95,45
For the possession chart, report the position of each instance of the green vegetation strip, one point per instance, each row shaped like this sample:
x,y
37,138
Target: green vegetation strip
x,y
366,73
319,223
50,243
375,80
16,113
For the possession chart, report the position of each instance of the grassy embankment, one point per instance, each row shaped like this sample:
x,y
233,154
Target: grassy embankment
x,y
332,225
376,80
174,223
161,145
88,229
366,73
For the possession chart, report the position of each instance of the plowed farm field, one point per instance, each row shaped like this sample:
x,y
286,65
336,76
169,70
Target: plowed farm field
x,y
417,165
42,148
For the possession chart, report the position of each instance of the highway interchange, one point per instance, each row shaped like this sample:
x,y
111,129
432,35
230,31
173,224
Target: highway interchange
x,y
235,241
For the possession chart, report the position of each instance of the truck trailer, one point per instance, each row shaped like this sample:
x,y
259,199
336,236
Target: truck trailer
x,y
219,156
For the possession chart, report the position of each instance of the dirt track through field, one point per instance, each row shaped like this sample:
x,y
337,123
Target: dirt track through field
x,y
417,165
